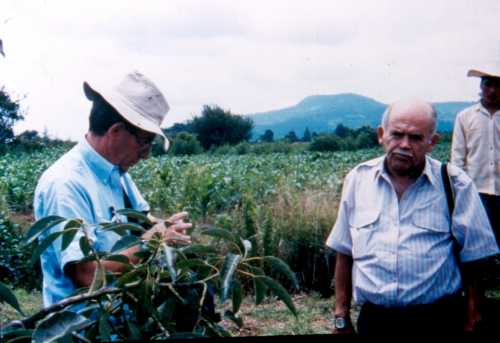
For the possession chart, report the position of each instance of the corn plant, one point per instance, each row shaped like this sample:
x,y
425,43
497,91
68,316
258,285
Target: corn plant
x,y
169,293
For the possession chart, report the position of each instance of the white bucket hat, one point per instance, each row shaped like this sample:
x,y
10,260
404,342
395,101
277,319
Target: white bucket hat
x,y
136,99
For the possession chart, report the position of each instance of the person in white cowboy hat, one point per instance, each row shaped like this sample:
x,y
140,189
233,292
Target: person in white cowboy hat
x,y
91,182
476,142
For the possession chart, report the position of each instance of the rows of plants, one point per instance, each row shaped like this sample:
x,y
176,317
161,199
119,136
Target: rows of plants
x,y
285,204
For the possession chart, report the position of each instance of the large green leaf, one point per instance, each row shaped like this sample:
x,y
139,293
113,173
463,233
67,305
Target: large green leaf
x,y
280,292
280,266
40,226
44,245
229,267
124,243
84,245
99,279
57,326
118,258
72,224
67,238
69,231
7,296
237,295
260,289
133,214
123,228
131,276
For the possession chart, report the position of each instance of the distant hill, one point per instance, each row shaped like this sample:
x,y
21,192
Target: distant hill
x,y
322,113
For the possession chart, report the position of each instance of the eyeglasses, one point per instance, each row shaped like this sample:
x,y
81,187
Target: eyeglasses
x,y
141,137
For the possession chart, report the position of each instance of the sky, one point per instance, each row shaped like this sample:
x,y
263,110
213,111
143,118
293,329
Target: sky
x,y
244,56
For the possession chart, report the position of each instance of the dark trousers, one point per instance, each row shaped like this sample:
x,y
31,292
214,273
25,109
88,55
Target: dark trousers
x,y
443,317
491,204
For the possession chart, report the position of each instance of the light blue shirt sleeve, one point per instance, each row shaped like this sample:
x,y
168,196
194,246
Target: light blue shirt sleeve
x,y
66,200
340,237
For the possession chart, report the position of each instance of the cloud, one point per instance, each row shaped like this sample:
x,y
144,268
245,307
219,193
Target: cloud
x,y
247,56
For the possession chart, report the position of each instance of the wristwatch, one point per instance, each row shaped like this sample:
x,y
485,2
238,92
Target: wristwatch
x,y
340,322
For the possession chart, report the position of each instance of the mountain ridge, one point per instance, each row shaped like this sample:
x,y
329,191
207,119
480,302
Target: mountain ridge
x,y
323,112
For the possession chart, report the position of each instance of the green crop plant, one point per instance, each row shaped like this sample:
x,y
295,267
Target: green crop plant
x,y
152,299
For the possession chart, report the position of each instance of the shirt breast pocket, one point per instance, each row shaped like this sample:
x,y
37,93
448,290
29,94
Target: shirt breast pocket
x,y
432,229
431,218
364,225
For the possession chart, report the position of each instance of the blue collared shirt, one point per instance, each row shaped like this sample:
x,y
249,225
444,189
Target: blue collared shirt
x,y
402,250
81,184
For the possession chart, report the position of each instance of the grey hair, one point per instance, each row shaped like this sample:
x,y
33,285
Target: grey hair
x,y
385,118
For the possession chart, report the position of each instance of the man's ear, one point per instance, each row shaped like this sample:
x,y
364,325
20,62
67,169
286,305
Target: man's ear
x,y
116,128
433,141
380,134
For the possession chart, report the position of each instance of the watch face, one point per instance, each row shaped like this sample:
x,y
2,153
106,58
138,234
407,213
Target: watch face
x,y
340,323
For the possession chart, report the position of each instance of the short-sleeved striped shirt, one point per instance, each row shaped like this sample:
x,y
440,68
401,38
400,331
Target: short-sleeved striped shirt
x,y
403,250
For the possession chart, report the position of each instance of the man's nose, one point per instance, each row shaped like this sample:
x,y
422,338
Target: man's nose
x,y
405,142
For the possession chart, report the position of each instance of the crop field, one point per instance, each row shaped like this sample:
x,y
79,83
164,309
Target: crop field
x,y
285,204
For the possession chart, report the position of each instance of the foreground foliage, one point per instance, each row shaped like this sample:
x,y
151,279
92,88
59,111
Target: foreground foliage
x,y
168,294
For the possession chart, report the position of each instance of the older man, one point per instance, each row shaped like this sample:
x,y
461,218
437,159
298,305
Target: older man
x,y
91,182
395,239
476,143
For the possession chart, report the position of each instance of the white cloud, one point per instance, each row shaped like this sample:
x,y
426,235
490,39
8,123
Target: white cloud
x,y
244,56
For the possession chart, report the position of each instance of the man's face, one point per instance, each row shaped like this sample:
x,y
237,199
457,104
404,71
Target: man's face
x,y
406,140
490,92
132,146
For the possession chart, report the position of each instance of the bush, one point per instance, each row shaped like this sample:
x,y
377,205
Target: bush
x,y
185,144
216,127
329,142
15,266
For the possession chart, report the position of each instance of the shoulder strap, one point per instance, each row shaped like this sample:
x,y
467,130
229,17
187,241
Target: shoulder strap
x,y
450,195
450,199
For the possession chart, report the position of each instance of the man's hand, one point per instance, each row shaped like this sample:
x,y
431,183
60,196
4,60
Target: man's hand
x,y
171,230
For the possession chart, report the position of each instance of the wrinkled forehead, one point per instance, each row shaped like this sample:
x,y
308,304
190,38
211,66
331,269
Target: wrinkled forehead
x,y
418,115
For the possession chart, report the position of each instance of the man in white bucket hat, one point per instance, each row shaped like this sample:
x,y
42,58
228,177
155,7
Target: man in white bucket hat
x,y
91,182
476,142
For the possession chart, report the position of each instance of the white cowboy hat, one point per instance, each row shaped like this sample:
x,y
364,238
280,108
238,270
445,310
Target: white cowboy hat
x,y
137,99
492,71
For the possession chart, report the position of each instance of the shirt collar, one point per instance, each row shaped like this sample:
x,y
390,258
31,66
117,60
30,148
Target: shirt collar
x,y
380,171
481,109
104,170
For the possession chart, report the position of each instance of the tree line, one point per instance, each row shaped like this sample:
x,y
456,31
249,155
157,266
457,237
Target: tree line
x,y
214,130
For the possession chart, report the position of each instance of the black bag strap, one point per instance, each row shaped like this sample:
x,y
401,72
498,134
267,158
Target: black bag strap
x,y
450,199
450,194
